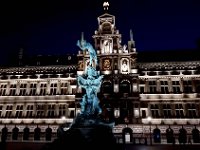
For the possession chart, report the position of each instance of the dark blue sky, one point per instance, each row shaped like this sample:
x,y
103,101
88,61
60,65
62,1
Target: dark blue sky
x,y
53,27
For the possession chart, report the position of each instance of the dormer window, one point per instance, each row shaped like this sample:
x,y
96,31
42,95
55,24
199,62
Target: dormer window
x,y
106,28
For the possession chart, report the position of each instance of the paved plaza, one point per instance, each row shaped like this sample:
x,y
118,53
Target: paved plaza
x,y
162,147
38,146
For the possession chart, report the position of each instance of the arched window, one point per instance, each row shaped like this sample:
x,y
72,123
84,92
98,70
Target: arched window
x,y
156,135
195,135
26,133
182,137
124,87
170,135
106,28
4,134
107,87
108,112
15,132
37,134
48,134
127,134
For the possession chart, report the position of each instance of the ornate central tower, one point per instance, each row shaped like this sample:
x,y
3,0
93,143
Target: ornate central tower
x,y
119,95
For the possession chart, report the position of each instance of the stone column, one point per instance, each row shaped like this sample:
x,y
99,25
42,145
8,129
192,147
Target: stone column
x,y
160,106
57,110
24,109
193,85
149,110
8,88
38,88
181,85
158,89
69,88
4,110
173,109
48,87
67,111
28,88
17,88
146,88
59,87
45,109
116,85
170,85
35,109
14,110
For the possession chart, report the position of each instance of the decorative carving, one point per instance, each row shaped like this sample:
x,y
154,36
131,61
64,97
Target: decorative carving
x,y
106,64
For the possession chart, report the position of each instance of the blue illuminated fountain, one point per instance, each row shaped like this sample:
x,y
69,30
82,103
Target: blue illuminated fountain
x,y
91,84
88,130
91,81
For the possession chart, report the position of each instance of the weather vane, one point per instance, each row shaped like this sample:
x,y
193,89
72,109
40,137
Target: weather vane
x,y
105,5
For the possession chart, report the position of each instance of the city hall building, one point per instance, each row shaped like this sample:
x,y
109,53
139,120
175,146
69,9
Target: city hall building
x,y
157,99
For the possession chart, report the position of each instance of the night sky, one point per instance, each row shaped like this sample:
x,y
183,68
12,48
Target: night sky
x,y
52,27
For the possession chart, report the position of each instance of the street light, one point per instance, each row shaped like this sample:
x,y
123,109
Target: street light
x,y
149,121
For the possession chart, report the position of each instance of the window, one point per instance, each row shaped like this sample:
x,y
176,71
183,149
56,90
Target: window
x,y
176,87
51,112
33,89
64,88
152,87
62,110
40,111
72,113
9,111
124,87
179,110
48,134
43,87
53,89
142,86
3,89
154,110
164,87
12,89
191,110
29,111
4,134
19,111
187,86
26,133
141,89
167,111
107,87
22,89
144,114
37,133
15,133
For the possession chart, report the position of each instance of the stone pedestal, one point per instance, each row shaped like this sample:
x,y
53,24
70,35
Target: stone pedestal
x,y
87,133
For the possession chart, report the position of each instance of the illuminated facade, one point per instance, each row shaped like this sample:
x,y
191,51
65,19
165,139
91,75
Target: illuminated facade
x,y
157,97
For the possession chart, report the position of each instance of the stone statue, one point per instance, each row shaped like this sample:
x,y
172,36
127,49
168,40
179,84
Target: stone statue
x,y
92,84
83,45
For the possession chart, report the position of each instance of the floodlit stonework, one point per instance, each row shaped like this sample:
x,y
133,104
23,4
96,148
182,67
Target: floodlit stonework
x,y
143,96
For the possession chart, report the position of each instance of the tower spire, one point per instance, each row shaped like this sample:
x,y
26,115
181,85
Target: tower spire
x,y
131,35
82,36
105,6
